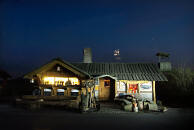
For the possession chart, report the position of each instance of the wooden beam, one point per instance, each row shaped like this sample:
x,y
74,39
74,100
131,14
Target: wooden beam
x,y
115,87
154,91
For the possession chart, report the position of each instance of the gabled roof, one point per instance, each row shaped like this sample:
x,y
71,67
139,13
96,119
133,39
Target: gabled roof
x,y
121,71
53,62
124,71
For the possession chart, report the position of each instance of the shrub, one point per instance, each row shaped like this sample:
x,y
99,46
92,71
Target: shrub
x,y
180,87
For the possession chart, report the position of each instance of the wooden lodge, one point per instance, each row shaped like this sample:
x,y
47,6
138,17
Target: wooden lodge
x,y
110,79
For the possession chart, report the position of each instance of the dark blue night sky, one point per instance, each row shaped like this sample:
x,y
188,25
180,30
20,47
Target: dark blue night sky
x,y
34,32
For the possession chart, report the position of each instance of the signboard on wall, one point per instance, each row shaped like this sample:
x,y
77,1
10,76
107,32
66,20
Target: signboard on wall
x,y
145,87
121,86
146,90
133,88
96,93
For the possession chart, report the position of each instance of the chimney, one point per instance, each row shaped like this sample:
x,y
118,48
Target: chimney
x,y
163,61
87,55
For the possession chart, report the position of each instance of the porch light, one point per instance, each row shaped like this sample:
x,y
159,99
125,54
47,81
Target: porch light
x,y
32,81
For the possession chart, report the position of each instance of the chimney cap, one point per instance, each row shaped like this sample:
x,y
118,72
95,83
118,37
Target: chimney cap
x,y
162,54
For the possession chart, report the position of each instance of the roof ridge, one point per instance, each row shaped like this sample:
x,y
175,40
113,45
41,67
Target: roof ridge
x,y
111,63
59,60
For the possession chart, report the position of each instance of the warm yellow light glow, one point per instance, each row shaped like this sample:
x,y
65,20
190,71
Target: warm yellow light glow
x,y
60,80
74,81
49,80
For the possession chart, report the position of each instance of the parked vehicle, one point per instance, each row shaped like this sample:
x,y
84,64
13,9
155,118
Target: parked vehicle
x,y
129,102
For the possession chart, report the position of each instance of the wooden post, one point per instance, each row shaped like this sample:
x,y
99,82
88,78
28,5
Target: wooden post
x,y
126,87
138,88
154,92
54,91
90,100
42,91
115,88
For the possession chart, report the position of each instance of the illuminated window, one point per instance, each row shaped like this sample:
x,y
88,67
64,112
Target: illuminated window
x,y
60,92
60,80
106,83
74,81
68,82
58,68
49,80
46,82
47,92
74,92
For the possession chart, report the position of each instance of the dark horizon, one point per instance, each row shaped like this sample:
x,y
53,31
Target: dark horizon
x,y
33,32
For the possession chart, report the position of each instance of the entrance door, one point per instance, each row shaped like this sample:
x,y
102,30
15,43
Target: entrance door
x,y
104,89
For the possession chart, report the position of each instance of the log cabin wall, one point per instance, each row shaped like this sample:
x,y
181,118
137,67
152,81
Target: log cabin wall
x,y
105,89
129,75
52,79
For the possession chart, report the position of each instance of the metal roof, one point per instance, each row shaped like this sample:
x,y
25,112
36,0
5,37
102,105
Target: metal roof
x,y
124,71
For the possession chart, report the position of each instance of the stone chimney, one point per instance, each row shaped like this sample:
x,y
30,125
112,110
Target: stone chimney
x,y
87,55
163,61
